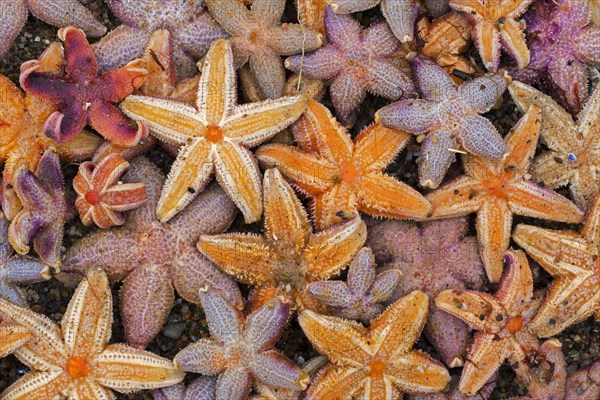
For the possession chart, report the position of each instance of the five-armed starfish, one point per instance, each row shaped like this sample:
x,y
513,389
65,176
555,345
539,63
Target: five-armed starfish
x,y
496,191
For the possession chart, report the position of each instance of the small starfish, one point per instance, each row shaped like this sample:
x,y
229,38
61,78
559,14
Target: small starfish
x,y
153,258
101,196
572,259
494,24
81,96
289,256
361,296
201,388
344,177
356,62
496,191
376,363
400,14
258,38
44,210
573,158
13,16
74,360
449,115
215,136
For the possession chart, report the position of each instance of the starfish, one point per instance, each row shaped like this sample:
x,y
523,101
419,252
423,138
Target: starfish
x,y
201,388
449,115
563,46
241,350
496,191
191,28
311,14
494,24
74,360
289,255
259,39
153,258
355,61
573,158
344,177
572,259
431,257
400,14
215,136
81,96
376,363
12,336
22,117
13,16
44,210
101,196
361,296
584,383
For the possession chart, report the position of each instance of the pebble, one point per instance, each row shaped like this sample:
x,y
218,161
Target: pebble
x,y
174,331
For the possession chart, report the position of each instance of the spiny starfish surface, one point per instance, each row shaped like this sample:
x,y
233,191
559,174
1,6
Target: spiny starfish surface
x,y
74,360
215,136
572,258
153,258
201,388
81,96
573,157
497,190
449,115
240,349
12,336
355,61
494,24
341,176
289,255
375,363
258,38
13,15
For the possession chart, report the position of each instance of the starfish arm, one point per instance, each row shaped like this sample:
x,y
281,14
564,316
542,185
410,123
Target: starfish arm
x,y
11,22
529,199
591,223
37,386
494,222
201,388
62,126
377,146
417,372
521,142
569,78
47,86
12,336
468,6
225,321
346,95
384,286
516,287
433,82
437,154
21,271
268,72
65,13
274,315
274,370
196,37
415,116
588,122
480,137
234,383
323,63
204,356
120,83
336,204
342,29
483,92
487,41
124,197
232,15
268,11
109,122
79,57
387,80
332,381
81,147
587,45
332,293
352,6
119,46
481,311
401,15
361,273
293,39
485,357
550,168
515,8
585,185
92,391
513,41
379,36
457,198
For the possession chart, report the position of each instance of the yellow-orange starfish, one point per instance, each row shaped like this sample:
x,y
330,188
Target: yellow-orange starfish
x,y
377,363
289,256
344,177
12,336
496,191
215,136
22,141
573,259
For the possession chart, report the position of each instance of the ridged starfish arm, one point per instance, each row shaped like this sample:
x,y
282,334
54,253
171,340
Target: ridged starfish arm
x,y
12,336
478,309
531,200
377,146
457,199
494,222
513,41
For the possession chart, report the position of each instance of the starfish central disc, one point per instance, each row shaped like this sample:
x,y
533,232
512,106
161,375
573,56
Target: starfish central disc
x,y
92,197
376,368
349,172
213,134
77,367
514,324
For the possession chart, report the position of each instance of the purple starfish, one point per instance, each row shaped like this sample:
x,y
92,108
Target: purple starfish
x,y
191,28
241,351
153,258
13,14
201,388
355,61
449,115
433,257
361,296
563,44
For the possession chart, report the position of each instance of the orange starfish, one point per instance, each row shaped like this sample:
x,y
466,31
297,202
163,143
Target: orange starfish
x,y
12,336
215,136
573,259
376,363
343,177
22,141
289,255
496,191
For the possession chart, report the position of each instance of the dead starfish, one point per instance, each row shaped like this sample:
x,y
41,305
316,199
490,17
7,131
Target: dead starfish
x,y
497,190
153,258
376,363
74,360
215,136
289,256
573,158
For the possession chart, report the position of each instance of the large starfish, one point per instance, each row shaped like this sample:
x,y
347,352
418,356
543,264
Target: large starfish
x,y
12,336
341,176
153,258
496,191
289,256
572,258
215,136
494,24
377,363
74,360
574,157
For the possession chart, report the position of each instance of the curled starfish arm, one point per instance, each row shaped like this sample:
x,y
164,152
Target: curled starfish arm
x,y
587,45
37,386
120,83
47,86
494,221
12,336
513,40
516,288
332,293
78,15
458,198
377,146
273,369
479,137
11,23
487,41
108,121
80,62
324,63
529,199
417,372
332,380
484,358
203,357
415,116
401,15
481,311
